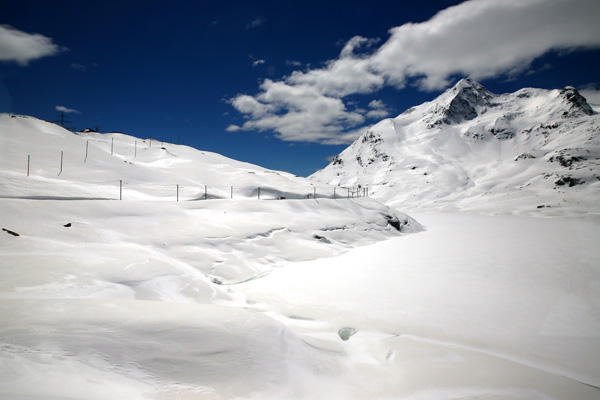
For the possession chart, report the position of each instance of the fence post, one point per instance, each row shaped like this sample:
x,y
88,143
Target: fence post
x,y
61,162
87,143
205,192
259,192
314,192
334,192
121,189
28,162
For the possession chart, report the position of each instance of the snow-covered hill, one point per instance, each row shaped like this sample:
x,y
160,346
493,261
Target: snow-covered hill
x,y
240,298
228,229
94,164
533,150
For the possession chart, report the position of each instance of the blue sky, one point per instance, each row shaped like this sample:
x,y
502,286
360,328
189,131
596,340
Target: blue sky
x,y
281,84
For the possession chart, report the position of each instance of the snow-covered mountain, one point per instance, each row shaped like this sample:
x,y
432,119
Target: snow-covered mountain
x,y
469,149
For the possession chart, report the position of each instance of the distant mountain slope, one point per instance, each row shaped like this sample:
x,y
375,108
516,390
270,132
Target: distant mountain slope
x,y
93,163
471,149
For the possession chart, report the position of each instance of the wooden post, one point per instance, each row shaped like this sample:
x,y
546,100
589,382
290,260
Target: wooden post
x,y
334,192
61,163
348,189
87,145
28,162
178,193
315,192
259,192
121,189
112,145
205,192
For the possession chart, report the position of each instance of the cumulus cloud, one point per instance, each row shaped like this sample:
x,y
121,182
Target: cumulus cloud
x,y
592,95
257,63
297,113
233,128
485,38
378,110
478,38
21,47
66,110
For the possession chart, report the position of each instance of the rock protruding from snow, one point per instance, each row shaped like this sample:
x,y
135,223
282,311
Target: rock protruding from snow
x,y
463,102
576,105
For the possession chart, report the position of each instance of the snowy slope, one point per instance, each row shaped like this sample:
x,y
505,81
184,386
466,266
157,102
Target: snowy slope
x,y
109,299
94,164
154,298
470,149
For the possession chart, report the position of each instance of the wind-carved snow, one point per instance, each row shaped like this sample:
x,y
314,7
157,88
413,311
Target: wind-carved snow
x,y
470,149
346,298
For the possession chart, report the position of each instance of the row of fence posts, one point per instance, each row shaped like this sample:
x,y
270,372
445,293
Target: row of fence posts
x,y
87,147
350,193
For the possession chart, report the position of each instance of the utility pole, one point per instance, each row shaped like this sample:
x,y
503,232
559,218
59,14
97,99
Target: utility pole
x,y
63,121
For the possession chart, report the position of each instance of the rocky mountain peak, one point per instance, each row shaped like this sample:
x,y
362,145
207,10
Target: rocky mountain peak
x,y
461,102
576,104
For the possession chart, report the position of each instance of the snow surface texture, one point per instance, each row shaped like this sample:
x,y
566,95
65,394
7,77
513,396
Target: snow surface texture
x,y
534,151
150,298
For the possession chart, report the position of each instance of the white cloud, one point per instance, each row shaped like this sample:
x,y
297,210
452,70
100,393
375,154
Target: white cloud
x,y
344,76
478,38
66,110
485,38
592,96
377,114
378,110
377,105
233,128
293,63
22,47
298,113
257,63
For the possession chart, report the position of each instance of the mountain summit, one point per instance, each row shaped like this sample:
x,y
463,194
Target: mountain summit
x,y
475,150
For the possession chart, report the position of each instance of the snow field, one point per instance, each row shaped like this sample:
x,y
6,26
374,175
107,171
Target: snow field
x,y
248,299
505,307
